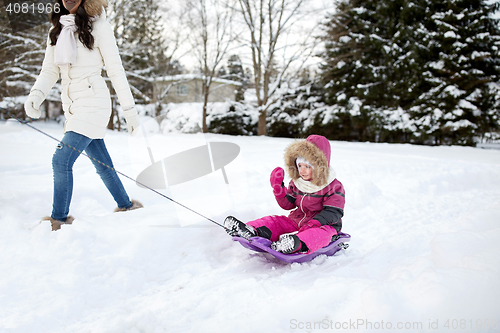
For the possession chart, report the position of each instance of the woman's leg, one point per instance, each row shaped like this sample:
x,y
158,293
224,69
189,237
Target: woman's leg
x,y
105,169
62,166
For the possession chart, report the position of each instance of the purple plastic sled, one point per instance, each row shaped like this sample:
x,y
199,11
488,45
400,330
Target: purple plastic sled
x,y
260,244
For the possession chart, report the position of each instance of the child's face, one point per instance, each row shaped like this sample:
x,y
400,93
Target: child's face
x,y
305,171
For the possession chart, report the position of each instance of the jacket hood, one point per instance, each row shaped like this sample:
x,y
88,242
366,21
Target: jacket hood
x,y
315,149
95,7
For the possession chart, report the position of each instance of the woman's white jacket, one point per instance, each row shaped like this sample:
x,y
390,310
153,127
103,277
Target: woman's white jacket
x,y
85,97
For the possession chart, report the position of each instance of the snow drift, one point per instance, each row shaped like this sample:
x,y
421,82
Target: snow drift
x,y
424,251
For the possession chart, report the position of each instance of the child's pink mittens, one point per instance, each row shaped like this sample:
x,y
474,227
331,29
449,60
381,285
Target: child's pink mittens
x,y
277,176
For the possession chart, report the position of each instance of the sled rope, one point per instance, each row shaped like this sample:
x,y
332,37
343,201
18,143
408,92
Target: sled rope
x,y
27,123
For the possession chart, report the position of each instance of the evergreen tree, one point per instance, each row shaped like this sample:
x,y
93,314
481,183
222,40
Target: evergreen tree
x,y
236,73
238,119
428,66
300,108
463,73
358,70
235,68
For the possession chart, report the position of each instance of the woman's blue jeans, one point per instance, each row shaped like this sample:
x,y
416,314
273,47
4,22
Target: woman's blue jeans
x,y
62,166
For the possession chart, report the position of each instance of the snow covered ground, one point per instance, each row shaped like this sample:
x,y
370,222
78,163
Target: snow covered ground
x,y
424,254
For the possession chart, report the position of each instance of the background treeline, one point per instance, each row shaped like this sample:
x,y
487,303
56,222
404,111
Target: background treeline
x,y
402,71
417,71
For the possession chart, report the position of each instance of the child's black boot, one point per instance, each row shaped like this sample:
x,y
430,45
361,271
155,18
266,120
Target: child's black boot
x,y
235,227
289,244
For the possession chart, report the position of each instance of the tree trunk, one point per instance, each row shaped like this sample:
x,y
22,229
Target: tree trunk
x,y
205,104
262,127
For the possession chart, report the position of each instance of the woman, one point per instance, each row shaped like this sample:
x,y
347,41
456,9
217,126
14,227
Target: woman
x,y
80,43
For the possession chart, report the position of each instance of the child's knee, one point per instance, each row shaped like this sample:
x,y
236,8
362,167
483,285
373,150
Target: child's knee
x,y
264,232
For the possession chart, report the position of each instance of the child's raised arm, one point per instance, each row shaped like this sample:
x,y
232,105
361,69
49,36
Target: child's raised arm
x,y
279,189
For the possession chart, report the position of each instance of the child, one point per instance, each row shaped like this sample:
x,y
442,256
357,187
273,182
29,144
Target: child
x,y
314,191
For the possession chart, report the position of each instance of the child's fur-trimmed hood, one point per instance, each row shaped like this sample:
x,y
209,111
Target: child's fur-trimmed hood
x,y
315,149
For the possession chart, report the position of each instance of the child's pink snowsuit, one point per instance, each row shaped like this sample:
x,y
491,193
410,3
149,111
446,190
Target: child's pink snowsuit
x,y
319,203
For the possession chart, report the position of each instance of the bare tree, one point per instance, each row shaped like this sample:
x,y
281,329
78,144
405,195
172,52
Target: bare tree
x,y
148,50
21,56
176,37
280,38
210,27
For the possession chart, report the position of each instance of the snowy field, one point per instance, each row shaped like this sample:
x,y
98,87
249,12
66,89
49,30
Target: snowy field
x,y
424,254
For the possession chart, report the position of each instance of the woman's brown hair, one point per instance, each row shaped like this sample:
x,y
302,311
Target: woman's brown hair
x,y
82,21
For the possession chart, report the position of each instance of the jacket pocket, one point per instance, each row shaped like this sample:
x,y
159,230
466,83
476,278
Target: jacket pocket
x,y
81,89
